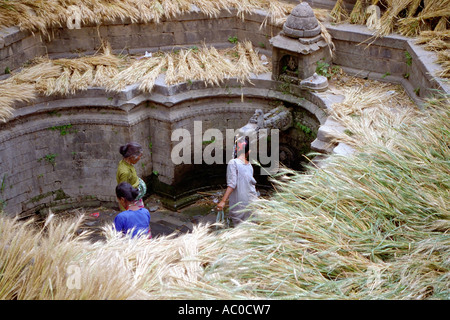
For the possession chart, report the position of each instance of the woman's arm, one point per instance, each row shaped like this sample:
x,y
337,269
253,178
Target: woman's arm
x,y
231,183
225,197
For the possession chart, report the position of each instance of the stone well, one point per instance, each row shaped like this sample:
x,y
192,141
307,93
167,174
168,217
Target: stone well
x,y
63,151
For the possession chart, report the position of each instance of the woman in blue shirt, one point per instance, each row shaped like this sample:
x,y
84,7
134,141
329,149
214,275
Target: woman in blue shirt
x,y
134,219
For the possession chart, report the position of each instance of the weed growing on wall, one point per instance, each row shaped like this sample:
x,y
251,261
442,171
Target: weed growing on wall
x,y
49,158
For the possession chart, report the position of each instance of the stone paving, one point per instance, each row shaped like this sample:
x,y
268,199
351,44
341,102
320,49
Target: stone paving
x,y
163,222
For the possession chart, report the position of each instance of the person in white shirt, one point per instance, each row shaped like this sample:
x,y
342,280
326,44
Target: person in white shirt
x,y
241,188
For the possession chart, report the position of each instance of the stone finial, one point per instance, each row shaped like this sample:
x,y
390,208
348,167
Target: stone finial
x,y
301,23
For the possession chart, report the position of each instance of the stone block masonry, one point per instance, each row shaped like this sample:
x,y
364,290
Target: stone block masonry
x,y
392,58
17,47
65,152
50,164
190,29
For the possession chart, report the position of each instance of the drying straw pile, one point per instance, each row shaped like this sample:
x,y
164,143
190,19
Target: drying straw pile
x,y
439,42
186,65
379,107
339,14
428,20
408,17
433,16
40,15
53,262
67,76
12,93
372,225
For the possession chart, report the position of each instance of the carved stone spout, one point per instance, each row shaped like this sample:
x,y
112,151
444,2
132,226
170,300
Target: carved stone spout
x,y
277,118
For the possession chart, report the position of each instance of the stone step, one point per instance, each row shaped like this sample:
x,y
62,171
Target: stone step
x,y
329,129
343,149
321,146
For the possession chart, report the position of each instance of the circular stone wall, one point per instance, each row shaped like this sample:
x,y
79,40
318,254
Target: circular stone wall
x,y
63,151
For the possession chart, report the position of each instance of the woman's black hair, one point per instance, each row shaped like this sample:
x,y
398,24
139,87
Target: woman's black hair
x,y
126,190
245,143
247,146
130,149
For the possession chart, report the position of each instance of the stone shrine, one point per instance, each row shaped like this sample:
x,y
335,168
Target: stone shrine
x,y
298,48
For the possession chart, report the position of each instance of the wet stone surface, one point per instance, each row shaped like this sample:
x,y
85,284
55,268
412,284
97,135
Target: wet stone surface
x,y
163,222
